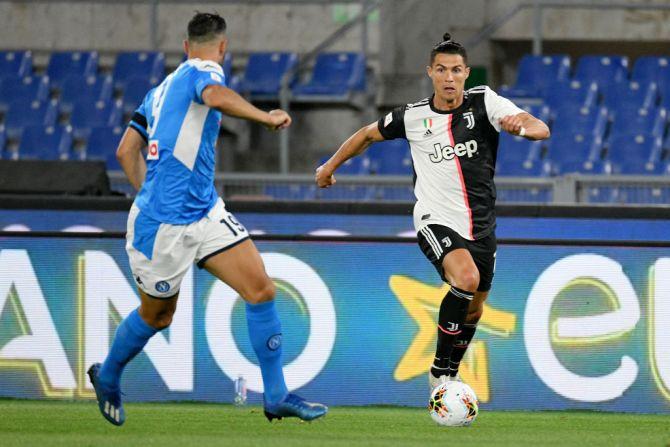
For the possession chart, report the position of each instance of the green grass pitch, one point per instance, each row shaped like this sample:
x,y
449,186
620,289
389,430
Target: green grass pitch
x,y
51,423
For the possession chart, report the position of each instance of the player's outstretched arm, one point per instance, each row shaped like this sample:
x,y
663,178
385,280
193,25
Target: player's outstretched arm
x,y
129,154
525,125
229,102
353,146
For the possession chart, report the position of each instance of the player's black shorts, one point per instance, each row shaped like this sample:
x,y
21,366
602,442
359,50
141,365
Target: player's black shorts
x,y
437,240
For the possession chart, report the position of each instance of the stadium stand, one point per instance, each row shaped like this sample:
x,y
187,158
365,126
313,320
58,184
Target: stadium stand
x,y
69,63
630,95
635,154
23,88
391,157
88,113
520,157
569,153
24,113
77,88
3,142
573,94
604,70
45,143
134,64
536,73
649,69
134,92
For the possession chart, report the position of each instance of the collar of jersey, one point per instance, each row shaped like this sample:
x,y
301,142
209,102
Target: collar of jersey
x,y
446,112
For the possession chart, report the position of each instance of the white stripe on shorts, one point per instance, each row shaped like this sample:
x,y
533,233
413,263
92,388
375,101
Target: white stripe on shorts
x,y
437,249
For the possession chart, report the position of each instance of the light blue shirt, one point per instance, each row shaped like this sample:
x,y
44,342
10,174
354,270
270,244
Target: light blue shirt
x,y
181,133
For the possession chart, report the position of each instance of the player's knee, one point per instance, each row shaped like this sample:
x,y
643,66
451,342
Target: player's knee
x,y
468,279
474,316
262,294
160,320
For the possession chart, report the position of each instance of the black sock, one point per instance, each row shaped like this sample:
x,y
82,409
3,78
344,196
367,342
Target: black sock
x,y
453,311
460,346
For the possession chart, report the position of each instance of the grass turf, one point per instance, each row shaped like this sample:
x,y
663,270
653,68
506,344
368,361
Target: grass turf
x,y
51,423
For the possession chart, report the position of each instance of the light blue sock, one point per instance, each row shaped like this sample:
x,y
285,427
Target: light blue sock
x,y
265,335
131,336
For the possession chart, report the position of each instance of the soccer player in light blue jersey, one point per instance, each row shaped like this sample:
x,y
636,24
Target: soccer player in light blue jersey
x,y
178,219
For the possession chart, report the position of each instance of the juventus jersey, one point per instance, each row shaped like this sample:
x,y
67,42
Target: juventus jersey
x,y
454,156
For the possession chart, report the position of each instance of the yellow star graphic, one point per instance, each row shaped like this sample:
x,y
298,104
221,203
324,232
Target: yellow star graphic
x,y
422,302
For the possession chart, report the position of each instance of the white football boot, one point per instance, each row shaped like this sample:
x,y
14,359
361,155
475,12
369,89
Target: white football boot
x,y
435,381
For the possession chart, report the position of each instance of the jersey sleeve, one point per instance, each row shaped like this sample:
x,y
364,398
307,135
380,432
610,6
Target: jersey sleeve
x,y
498,107
139,119
392,125
205,77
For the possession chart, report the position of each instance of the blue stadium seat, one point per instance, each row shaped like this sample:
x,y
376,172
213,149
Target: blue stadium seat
x,y
518,156
346,192
335,76
89,113
403,193
23,113
227,66
3,142
569,121
27,88
575,153
634,154
354,166
643,195
135,64
391,157
16,63
602,69
134,92
45,143
536,74
573,94
524,195
263,74
639,121
291,192
649,69
602,194
664,93
77,88
632,94
102,144
67,63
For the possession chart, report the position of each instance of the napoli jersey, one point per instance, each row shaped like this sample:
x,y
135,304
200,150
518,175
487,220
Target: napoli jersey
x,y
181,134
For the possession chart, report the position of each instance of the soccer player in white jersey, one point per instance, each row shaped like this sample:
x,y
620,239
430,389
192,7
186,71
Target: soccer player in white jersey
x,y
177,218
453,137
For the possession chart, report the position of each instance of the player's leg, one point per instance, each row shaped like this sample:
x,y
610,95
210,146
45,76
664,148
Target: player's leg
x,y
232,257
448,252
484,255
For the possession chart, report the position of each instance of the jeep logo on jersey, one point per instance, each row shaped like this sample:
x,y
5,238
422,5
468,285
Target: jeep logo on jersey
x,y
152,153
470,120
468,148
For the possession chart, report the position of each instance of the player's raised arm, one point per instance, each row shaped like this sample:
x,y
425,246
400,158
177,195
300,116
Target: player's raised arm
x,y
525,125
131,159
353,146
229,102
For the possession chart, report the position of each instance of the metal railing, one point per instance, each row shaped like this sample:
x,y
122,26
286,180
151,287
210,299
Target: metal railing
x,y
568,189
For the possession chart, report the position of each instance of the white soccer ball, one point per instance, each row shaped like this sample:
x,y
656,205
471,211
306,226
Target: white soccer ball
x,y
453,404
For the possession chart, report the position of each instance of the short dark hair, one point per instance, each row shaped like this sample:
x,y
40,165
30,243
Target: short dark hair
x,y
205,26
448,46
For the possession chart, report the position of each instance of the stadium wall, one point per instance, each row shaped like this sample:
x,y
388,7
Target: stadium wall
x,y
572,322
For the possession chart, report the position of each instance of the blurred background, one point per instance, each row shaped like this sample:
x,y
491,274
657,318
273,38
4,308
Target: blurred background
x,y
72,73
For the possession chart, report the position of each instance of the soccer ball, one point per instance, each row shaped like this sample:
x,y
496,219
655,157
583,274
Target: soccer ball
x,y
453,404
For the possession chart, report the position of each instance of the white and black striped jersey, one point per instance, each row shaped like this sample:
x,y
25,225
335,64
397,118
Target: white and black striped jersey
x,y
454,156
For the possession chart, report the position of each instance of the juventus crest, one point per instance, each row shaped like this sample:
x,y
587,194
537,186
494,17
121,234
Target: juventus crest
x,y
470,119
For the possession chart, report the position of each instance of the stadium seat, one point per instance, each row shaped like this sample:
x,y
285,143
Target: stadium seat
x,y
291,192
354,166
22,113
518,156
639,121
649,69
634,154
569,121
16,63
630,95
45,143
134,92
89,113
602,194
263,74
524,195
601,69
3,142
134,64
643,195
664,93
335,76
78,88
102,144
575,153
536,73
346,192
27,88
573,94
391,157
227,66
399,193
67,63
